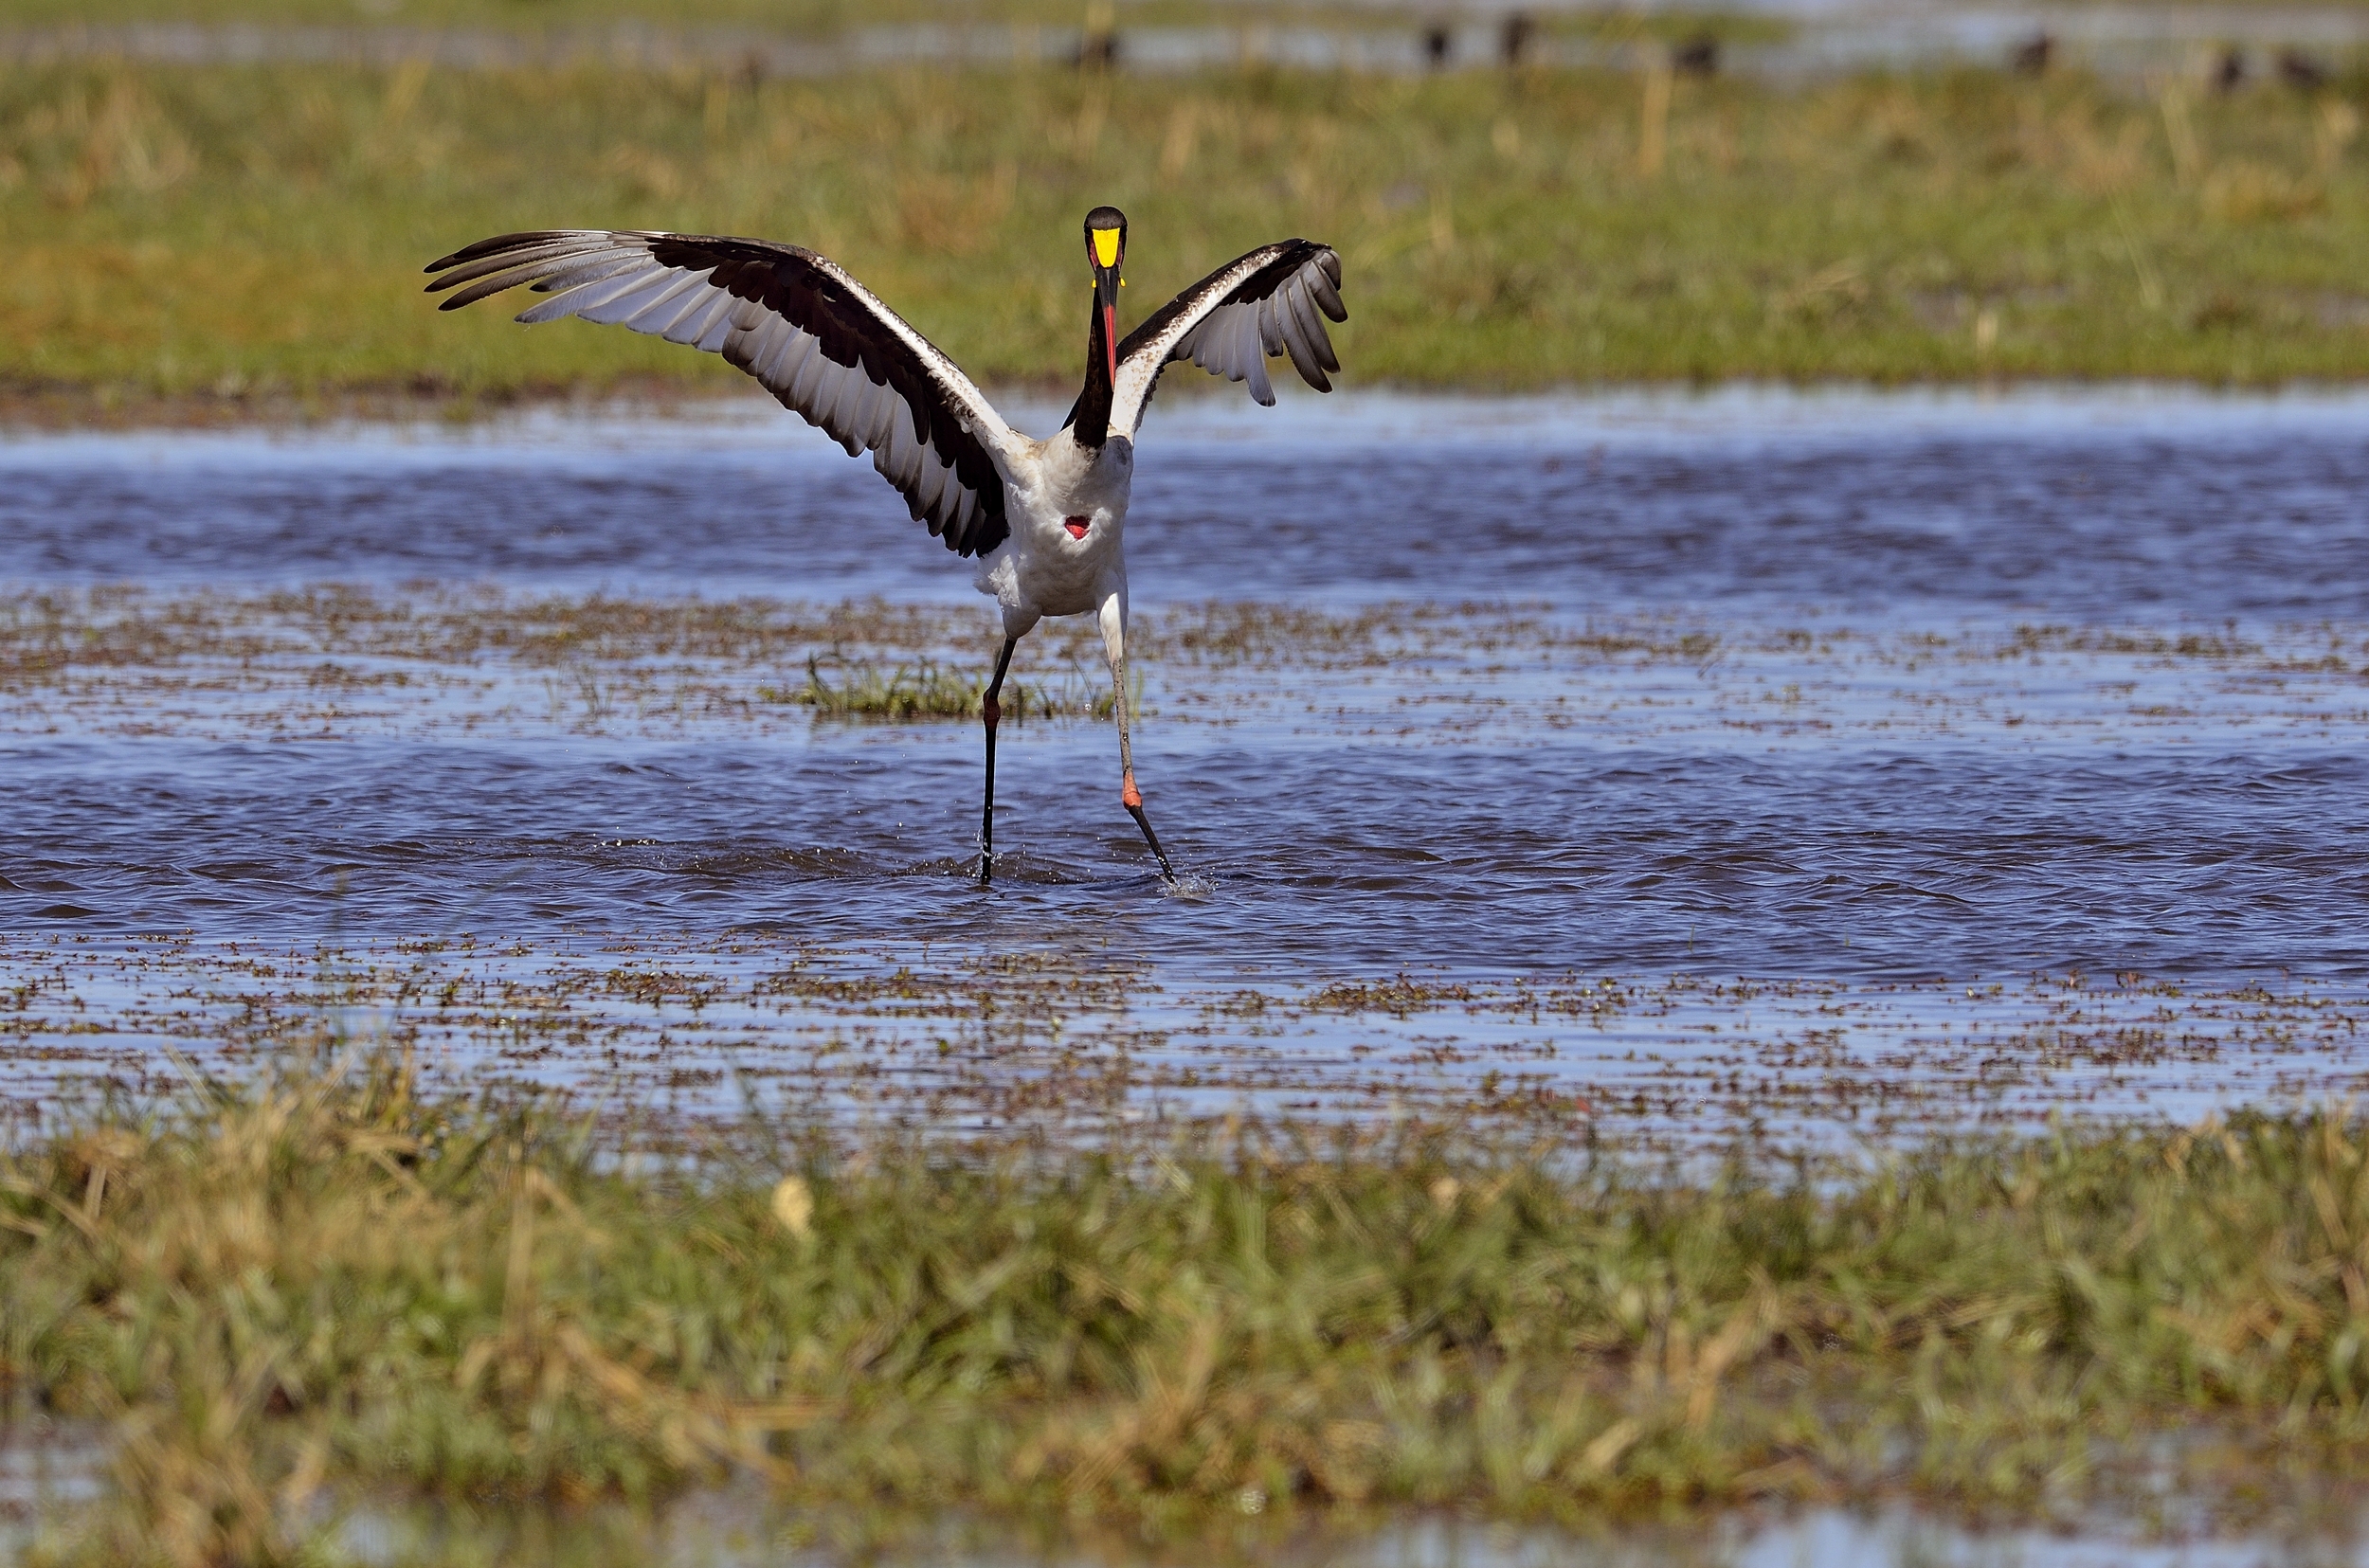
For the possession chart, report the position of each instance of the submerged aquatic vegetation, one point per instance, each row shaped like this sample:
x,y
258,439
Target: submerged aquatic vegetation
x,y
332,1276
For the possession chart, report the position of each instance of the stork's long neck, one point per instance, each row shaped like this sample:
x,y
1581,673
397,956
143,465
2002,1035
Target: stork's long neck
x,y
1092,426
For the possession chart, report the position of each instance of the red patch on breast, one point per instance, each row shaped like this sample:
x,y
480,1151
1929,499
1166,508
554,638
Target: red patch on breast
x,y
1077,526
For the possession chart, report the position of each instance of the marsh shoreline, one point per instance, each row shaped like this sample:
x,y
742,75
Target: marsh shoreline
x,y
331,1275
379,872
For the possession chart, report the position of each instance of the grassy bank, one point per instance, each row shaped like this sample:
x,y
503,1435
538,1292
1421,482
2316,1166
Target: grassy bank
x,y
336,1278
258,232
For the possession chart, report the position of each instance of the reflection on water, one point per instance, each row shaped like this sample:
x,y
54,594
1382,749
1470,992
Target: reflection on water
x,y
47,1467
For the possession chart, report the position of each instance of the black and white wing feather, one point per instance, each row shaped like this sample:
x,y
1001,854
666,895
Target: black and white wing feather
x,y
815,337
1271,302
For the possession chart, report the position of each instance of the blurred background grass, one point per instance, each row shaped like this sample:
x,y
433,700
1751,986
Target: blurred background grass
x,y
822,18
227,231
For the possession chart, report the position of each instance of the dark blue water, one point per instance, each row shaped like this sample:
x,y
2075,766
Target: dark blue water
x,y
2224,846
2129,507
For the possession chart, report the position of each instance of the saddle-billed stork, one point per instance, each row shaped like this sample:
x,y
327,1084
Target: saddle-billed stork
x,y
1044,520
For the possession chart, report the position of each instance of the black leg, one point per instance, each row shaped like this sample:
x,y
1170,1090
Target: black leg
x,y
1135,809
990,714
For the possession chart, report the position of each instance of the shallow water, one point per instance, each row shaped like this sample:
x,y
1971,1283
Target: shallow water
x,y
715,1532
47,1468
1906,708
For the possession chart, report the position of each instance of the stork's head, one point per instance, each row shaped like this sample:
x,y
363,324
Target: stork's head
x,y
1106,253
1106,245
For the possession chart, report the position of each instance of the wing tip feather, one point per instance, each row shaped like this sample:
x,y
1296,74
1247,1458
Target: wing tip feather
x,y
499,243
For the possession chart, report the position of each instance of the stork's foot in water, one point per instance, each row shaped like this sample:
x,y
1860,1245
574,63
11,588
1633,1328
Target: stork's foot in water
x,y
990,711
1135,803
991,714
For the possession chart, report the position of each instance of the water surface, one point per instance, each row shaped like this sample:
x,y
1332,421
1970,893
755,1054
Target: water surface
x,y
1906,700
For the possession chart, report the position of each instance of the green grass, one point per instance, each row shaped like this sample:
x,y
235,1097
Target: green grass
x,y
333,1278
233,232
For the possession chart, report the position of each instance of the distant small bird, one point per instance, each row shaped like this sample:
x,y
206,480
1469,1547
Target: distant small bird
x,y
1045,519
2301,72
1697,56
1515,37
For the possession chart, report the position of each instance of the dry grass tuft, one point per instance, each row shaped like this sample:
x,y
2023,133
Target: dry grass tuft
x,y
861,689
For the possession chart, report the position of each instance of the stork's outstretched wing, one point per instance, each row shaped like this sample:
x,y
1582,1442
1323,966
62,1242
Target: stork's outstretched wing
x,y
1233,321
814,336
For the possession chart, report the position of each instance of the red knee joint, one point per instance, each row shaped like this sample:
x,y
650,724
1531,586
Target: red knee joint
x,y
1128,795
990,710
